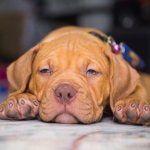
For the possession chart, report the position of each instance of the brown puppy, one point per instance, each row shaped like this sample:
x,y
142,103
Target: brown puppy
x,y
69,77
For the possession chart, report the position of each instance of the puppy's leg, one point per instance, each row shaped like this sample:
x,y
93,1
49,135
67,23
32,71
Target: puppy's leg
x,y
134,109
19,107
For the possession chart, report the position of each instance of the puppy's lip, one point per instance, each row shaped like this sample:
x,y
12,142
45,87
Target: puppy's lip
x,y
66,118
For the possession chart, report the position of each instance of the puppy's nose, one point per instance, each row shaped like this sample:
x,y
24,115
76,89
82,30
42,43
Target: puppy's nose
x,y
65,93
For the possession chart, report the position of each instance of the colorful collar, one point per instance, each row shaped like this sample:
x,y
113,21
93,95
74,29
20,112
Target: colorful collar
x,y
129,55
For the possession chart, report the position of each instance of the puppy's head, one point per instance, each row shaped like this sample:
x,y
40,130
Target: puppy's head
x,y
73,76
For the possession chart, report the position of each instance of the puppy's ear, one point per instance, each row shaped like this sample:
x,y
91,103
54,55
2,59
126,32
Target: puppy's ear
x,y
123,78
18,72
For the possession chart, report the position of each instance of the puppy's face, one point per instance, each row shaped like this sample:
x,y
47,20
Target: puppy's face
x,y
71,80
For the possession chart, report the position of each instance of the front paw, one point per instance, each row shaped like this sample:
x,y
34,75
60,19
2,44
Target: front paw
x,y
19,107
132,112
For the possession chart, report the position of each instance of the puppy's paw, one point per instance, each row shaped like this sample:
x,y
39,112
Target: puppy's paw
x,y
19,107
132,112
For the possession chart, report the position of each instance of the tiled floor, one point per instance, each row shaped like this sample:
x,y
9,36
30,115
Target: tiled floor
x,y
106,135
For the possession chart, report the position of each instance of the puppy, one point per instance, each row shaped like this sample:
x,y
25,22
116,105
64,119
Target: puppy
x,y
70,77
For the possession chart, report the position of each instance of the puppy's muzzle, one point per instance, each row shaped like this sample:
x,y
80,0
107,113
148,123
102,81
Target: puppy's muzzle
x,y
65,93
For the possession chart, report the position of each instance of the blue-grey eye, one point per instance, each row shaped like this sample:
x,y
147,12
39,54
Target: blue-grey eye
x,y
91,72
46,71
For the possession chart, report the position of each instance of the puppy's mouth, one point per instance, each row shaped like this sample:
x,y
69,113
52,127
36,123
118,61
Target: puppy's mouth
x,y
66,118
68,105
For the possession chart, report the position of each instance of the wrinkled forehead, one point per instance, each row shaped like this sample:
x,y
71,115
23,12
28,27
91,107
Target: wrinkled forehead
x,y
74,45
73,42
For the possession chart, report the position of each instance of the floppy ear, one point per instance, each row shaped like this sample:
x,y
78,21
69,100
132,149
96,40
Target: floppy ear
x,y
19,72
123,78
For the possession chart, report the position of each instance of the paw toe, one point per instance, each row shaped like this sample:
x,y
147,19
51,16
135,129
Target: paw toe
x,y
11,110
132,112
118,113
145,115
24,111
2,112
26,108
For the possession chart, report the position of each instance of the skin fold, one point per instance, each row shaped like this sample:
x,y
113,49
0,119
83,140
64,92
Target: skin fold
x,y
70,77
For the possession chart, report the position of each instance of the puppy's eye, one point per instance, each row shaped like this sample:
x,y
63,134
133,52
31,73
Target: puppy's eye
x,y
46,71
91,72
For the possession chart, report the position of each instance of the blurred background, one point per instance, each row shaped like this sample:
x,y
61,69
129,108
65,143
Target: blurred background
x,y
23,23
